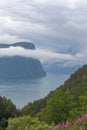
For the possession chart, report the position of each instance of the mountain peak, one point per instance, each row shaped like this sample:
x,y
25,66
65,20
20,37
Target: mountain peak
x,y
25,45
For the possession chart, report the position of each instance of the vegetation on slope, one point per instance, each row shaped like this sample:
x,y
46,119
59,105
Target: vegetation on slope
x,y
28,123
68,102
76,86
7,109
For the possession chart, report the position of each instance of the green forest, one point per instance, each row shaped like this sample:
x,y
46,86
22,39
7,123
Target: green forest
x,y
62,109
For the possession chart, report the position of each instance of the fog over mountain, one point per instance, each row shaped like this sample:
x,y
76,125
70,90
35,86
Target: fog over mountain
x,y
18,66
51,61
57,28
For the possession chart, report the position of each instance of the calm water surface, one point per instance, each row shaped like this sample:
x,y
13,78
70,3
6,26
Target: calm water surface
x,y
22,92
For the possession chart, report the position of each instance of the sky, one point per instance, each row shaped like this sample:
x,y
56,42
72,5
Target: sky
x,y
58,29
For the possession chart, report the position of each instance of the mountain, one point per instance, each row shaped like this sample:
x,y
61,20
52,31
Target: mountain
x,y
69,99
17,67
25,45
59,68
77,83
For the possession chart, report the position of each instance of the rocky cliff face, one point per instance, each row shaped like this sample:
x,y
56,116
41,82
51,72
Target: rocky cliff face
x,y
16,67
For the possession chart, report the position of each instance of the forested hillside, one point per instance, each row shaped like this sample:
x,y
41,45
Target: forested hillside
x,y
76,86
66,104
7,109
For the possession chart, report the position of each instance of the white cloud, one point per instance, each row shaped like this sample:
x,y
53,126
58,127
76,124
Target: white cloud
x,y
9,39
11,26
43,55
7,3
65,3
8,23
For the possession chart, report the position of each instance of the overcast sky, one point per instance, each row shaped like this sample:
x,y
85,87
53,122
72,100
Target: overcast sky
x,y
59,26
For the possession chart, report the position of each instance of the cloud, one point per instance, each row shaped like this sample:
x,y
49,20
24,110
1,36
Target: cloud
x,y
46,55
72,4
10,25
4,38
59,26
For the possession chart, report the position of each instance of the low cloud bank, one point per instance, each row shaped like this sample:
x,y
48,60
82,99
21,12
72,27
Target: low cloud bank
x,y
44,55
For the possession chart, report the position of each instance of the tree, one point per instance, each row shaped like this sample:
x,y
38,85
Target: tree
x,y
59,107
28,123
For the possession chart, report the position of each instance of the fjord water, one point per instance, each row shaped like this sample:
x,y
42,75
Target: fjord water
x,y
23,91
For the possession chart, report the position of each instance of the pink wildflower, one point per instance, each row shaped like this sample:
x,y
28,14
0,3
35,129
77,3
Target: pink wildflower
x,y
79,120
85,115
60,125
68,124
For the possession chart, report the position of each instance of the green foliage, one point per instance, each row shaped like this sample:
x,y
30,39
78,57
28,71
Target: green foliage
x,y
3,123
33,108
27,110
27,123
10,108
79,77
83,102
65,102
59,107
7,109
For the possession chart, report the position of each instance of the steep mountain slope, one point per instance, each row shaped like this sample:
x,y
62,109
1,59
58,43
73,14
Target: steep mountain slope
x,y
73,88
68,101
16,67
77,83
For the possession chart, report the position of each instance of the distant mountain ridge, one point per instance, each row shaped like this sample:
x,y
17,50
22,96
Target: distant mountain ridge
x,y
59,68
26,45
19,67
